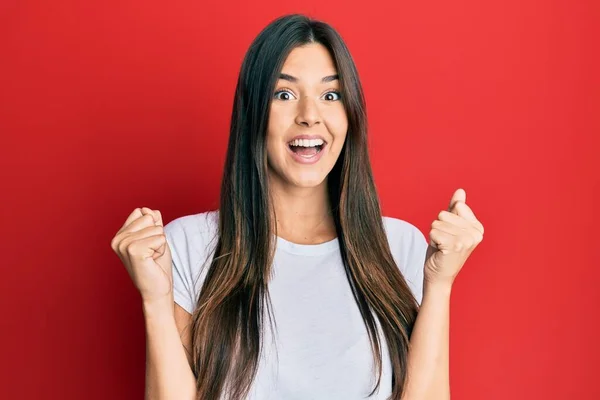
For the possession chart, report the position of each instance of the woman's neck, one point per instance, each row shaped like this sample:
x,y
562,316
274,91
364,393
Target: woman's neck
x,y
303,215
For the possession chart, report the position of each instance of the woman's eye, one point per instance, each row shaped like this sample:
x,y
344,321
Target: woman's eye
x,y
282,92
334,92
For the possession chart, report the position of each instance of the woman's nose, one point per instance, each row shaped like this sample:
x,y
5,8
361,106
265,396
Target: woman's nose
x,y
308,112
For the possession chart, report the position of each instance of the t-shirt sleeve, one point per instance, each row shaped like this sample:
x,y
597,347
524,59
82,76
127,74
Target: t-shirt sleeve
x,y
415,261
409,248
183,277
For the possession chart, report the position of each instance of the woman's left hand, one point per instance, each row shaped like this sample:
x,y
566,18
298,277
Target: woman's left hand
x,y
453,237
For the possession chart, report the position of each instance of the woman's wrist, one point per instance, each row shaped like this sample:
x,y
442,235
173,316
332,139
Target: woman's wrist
x,y
157,308
437,287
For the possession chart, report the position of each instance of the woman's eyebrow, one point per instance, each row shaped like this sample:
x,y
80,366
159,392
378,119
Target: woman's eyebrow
x,y
293,79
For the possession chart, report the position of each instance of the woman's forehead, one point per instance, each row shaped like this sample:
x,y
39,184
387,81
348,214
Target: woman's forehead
x,y
309,64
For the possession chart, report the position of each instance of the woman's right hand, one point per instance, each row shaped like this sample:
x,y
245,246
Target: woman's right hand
x,y
142,246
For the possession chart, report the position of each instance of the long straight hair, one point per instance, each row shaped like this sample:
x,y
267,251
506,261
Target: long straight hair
x,y
228,320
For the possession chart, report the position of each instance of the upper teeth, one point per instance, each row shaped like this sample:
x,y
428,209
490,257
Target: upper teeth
x,y
306,142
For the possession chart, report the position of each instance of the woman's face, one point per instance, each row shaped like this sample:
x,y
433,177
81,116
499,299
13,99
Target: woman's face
x,y
306,101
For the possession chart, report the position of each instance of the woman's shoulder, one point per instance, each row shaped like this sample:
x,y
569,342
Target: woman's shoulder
x,y
409,248
203,222
405,239
192,241
397,228
194,236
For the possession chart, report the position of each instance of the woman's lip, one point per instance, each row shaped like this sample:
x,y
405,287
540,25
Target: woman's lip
x,y
298,158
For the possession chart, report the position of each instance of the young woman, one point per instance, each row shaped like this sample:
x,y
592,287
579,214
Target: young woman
x,y
297,287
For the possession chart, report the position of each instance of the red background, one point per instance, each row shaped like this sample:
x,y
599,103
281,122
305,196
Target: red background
x,y
107,106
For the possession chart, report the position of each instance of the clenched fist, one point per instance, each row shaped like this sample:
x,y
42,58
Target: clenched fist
x,y
142,246
453,237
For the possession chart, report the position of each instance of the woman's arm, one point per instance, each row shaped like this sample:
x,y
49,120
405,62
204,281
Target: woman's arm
x,y
168,372
428,360
454,236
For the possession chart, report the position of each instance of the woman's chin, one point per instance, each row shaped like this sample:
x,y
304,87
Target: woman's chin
x,y
307,180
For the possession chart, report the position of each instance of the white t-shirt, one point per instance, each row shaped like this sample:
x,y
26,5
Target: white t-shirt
x,y
321,350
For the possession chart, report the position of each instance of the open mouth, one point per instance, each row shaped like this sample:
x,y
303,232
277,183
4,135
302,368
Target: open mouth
x,y
307,151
